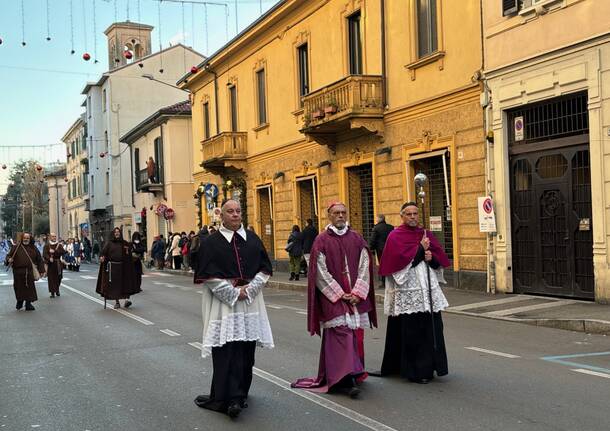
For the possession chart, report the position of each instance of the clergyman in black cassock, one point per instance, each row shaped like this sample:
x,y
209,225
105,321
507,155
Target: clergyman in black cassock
x,y
233,267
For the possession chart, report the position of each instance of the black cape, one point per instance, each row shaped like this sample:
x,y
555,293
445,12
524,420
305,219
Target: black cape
x,y
238,259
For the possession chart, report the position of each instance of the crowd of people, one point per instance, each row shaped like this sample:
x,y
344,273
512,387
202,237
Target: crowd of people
x,y
231,263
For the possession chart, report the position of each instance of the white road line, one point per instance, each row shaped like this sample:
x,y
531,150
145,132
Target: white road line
x,y
592,373
3,274
507,300
118,310
492,352
302,312
170,332
6,282
337,408
199,292
275,307
88,277
528,308
287,307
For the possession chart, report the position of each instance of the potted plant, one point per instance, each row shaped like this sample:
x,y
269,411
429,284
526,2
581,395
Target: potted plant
x,y
318,114
306,119
331,107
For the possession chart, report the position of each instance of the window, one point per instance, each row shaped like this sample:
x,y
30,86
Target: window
x,y
107,183
84,182
427,36
136,164
92,185
233,103
206,120
104,100
106,141
89,106
158,157
354,44
303,63
261,97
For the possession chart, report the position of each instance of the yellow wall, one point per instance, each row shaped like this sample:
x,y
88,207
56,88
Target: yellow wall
x,y
438,100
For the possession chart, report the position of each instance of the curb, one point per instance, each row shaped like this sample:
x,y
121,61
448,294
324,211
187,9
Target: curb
x,y
589,326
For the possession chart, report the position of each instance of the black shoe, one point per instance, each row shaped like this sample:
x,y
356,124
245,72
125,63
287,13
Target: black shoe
x,y
29,306
296,277
243,403
352,392
201,400
57,294
19,305
52,295
291,276
127,304
421,381
376,373
233,410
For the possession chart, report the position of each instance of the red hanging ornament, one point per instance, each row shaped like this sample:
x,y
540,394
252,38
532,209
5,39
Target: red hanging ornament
x,y
38,168
68,155
3,166
194,70
128,55
86,56
102,155
65,179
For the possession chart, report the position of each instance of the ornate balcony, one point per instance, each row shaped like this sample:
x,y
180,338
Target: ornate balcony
x,y
351,106
225,153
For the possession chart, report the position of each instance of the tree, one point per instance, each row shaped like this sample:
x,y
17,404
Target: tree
x,y
26,199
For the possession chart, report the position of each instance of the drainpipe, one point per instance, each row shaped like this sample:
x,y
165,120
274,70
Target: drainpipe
x,y
133,203
384,93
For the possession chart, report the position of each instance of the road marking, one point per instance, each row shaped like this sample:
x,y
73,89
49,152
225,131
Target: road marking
x,y
592,373
493,302
318,399
6,282
3,274
302,312
118,310
287,307
528,308
88,277
561,359
199,292
170,332
275,307
161,274
493,352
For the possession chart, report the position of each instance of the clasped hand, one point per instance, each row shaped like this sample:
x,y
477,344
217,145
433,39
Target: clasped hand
x,y
243,295
352,299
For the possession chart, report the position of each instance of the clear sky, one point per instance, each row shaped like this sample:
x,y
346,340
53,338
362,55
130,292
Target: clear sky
x,y
40,83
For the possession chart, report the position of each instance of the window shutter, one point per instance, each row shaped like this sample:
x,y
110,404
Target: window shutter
x,y
510,7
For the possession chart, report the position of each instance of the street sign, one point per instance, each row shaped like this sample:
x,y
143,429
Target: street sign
x,y
210,190
487,217
519,129
436,223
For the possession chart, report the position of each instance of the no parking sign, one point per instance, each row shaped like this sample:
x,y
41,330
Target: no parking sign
x,y
487,217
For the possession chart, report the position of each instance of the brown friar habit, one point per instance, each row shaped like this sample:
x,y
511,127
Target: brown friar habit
x,y
23,277
55,268
116,278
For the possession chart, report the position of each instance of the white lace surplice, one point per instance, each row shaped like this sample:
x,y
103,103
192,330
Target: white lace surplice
x,y
226,319
333,291
406,291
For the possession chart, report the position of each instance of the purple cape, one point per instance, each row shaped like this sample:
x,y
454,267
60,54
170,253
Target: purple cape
x,y
335,248
401,247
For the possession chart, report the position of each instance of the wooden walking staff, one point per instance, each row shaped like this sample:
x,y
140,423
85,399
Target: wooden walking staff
x,y
421,179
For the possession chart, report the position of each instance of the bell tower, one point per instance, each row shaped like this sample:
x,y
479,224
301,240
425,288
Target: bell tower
x,y
127,43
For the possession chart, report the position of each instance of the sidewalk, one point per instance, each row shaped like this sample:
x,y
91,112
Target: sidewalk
x,y
573,315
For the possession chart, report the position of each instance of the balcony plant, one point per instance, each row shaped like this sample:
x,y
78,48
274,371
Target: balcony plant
x,y
306,119
318,114
331,107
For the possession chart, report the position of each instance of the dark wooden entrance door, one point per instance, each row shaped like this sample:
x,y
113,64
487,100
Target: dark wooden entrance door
x,y
265,216
551,222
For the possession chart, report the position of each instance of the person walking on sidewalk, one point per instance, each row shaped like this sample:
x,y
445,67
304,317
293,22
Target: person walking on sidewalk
x,y
116,278
158,252
234,268
294,247
24,259
414,345
52,254
309,235
175,251
341,301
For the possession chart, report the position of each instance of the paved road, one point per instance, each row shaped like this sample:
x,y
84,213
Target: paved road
x,y
70,365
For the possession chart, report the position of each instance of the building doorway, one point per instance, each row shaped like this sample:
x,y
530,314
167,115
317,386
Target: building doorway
x,y
438,216
307,190
265,216
551,225
360,200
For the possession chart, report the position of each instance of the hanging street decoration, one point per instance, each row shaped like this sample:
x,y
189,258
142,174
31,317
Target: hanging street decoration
x,y
194,70
86,56
128,55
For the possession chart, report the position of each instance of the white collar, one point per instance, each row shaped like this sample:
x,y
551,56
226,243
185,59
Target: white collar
x,y
228,233
339,232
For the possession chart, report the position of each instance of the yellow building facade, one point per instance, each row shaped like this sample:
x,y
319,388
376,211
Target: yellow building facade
x,y
548,93
348,99
163,194
77,170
